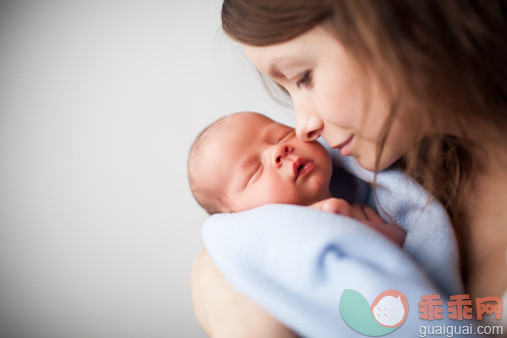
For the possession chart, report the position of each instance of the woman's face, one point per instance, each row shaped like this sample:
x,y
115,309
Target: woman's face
x,y
328,97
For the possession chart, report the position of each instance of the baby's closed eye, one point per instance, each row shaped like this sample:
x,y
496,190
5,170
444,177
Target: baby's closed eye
x,y
286,136
256,173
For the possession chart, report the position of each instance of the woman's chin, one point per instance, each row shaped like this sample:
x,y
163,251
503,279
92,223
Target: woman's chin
x,y
368,163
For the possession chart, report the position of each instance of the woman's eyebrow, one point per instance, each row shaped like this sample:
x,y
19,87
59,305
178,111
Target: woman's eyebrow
x,y
291,69
274,72
277,63
273,69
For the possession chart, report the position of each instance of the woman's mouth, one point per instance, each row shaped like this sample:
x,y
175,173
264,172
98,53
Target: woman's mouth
x,y
301,167
345,147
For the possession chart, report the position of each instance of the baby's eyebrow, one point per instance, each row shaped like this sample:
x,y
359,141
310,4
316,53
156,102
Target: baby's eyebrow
x,y
269,132
265,133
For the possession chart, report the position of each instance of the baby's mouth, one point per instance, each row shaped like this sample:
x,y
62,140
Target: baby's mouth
x,y
301,167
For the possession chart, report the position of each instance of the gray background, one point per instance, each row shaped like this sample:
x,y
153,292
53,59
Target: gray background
x,y
99,104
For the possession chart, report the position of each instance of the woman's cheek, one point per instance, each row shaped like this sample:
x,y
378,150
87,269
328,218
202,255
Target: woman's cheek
x,y
341,109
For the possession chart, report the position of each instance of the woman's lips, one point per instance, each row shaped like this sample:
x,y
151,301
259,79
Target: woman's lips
x,y
345,147
301,167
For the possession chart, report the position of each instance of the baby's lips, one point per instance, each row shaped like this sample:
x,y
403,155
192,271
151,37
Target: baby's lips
x,y
296,165
301,167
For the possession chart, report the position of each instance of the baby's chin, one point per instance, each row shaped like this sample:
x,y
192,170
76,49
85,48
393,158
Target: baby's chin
x,y
319,186
320,193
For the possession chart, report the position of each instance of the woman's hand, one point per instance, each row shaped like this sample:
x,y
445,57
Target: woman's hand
x,y
222,311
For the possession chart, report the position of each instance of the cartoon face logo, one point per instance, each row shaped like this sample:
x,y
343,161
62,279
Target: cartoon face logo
x,y
390,308
386,314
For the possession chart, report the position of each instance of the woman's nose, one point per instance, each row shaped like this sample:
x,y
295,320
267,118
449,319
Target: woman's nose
x,y
309,128
280,152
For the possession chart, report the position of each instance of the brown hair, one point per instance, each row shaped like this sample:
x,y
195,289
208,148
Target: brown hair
x,y
445,60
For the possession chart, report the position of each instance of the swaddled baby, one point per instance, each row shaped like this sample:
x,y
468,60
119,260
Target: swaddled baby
x,y
246,160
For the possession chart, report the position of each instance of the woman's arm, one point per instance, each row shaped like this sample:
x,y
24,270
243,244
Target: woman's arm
x,y
222,311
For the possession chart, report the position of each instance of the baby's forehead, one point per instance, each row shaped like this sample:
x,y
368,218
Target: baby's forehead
x,y
255,121
247,118
254,127
241,131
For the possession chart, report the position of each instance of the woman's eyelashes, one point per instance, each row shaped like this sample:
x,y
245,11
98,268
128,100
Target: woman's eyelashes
x,y
305,80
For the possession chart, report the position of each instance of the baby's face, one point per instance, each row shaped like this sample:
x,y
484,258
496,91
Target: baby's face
x,y
257,161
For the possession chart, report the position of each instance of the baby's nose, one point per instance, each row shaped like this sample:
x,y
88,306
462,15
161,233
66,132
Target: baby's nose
x,y
281,152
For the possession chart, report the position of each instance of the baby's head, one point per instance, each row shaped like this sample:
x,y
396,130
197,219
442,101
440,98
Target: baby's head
x,y
246,160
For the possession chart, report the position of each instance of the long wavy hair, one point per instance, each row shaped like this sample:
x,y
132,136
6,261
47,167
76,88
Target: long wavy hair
x,y
444,60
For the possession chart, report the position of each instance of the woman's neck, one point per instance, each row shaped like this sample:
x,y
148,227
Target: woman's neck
x,y
486,210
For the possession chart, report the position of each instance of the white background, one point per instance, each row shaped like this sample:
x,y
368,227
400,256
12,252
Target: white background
x,y
99,104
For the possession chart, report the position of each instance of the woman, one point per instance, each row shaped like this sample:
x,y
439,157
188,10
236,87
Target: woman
x,y
419,83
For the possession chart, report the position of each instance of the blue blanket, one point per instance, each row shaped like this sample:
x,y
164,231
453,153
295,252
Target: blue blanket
x,y
297,262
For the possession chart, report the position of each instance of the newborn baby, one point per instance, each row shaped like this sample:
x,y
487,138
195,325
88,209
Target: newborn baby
x,y
246,160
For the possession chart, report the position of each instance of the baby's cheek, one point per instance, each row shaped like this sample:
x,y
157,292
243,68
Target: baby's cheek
x,y
286,195
318,184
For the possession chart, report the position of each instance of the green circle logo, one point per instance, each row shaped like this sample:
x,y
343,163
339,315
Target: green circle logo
x,y
387,312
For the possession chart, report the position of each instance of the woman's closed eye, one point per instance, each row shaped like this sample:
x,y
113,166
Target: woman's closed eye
x,y
305,80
